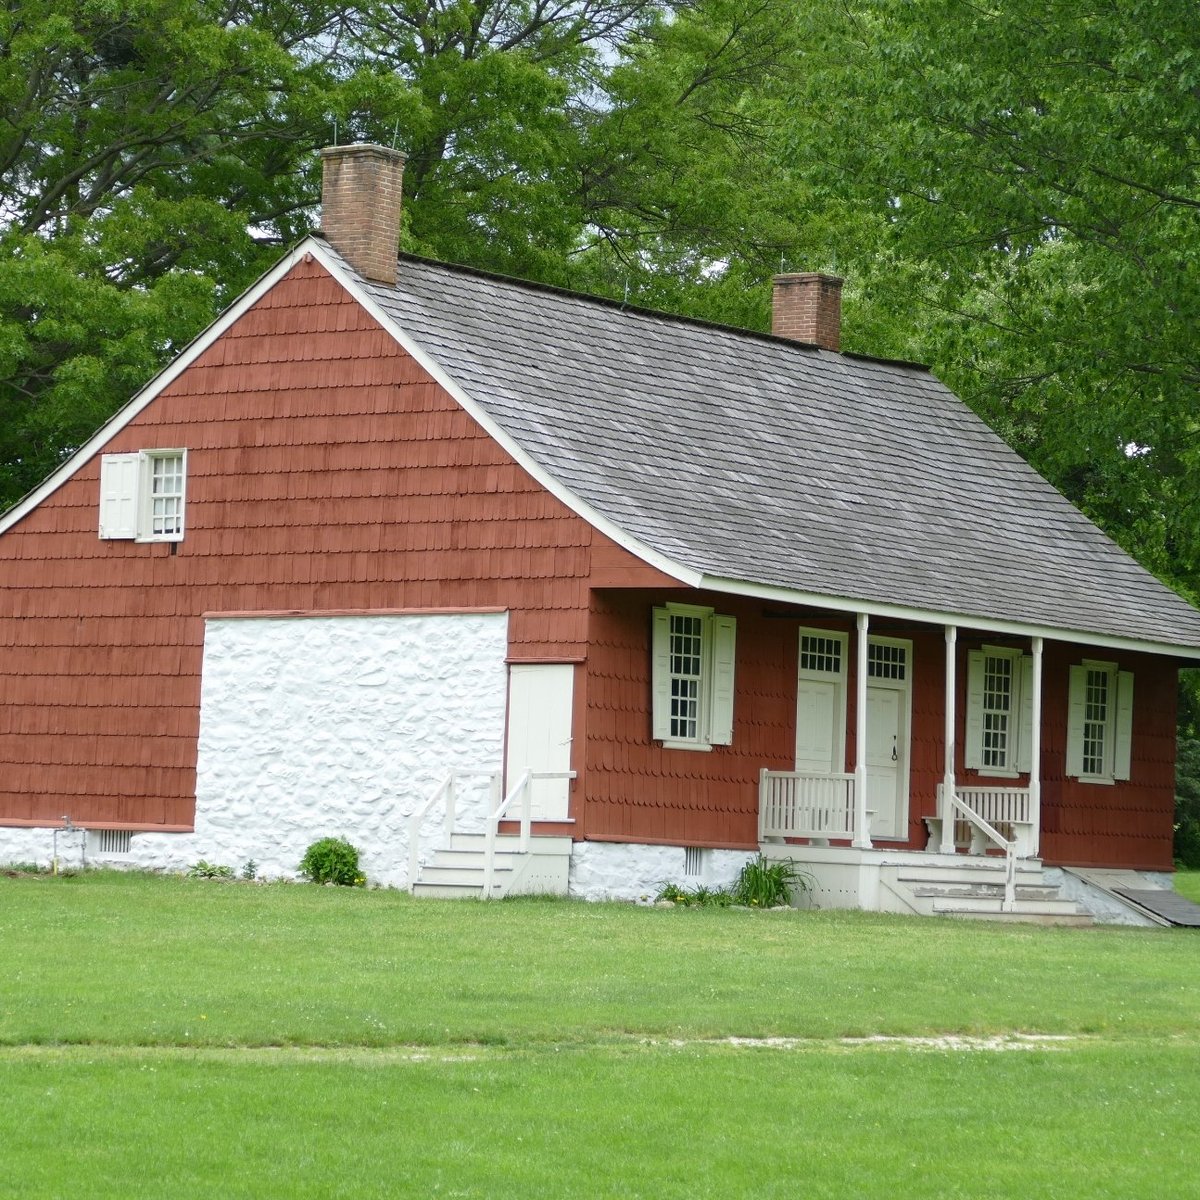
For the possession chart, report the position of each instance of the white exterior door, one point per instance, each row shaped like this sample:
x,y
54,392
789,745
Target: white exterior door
x,y
821,703
539,732
888,731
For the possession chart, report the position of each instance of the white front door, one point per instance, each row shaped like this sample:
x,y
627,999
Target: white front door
x,y
821,703
889,668
539,732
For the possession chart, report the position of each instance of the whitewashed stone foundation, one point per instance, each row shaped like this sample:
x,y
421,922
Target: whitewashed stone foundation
x,y
325,726
633,871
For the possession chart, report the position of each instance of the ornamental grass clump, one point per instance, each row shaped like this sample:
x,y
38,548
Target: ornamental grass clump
x,y
764,884
332,860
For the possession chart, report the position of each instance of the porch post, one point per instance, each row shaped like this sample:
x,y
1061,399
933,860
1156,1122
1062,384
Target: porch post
x,y
947,813
862,835
1035,755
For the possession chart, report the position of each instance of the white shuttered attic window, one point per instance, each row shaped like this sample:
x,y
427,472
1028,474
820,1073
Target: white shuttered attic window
x,y
142,495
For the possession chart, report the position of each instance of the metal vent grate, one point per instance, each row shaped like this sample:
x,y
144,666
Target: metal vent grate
x,y
113,841
693,860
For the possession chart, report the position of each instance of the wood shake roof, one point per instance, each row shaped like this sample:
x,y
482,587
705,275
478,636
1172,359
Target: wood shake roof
x,y
758,461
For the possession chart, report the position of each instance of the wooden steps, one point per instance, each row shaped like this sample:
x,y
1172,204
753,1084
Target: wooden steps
x,y
456,871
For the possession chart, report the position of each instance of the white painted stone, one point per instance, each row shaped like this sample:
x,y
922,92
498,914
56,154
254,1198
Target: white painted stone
x,y
327,726
1105,909
634,871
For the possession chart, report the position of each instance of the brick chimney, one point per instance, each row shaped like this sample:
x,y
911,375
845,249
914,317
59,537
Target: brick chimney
x,y
807,307
360,206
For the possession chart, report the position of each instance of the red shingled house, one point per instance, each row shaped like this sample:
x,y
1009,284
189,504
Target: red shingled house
x,y
396,549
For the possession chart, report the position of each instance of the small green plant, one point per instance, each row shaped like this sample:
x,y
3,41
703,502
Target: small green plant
x,y
697,897
332,860
764,884
207,870
250,870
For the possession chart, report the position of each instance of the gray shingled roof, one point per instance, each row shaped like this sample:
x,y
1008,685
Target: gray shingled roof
x,y
754,459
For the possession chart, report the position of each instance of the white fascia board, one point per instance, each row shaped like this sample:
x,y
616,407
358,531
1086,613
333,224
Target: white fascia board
x,y
162,380
783,595
688,576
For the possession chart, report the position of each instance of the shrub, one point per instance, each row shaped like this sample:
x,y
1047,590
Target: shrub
x,y
207,870
764,884
332,860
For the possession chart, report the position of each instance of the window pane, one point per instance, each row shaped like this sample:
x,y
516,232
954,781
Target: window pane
x,y
686,654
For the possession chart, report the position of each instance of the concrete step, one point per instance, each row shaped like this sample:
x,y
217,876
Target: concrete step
x,y
965,873
1035,918
992,904
1034,892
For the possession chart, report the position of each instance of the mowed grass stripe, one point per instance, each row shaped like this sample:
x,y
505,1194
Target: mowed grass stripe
x,y
1100,1120
138,960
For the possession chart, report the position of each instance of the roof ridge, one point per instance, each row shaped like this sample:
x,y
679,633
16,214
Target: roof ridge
x,y
640,310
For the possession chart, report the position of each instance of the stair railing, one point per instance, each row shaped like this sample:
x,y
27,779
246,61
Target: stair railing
x,y
993,835
445,794
521,791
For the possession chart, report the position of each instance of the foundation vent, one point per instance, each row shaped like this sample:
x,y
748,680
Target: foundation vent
x,y
111,841
693,860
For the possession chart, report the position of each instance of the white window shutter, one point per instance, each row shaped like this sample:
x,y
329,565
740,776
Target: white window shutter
x,y
1124,740
724,638
1025,728
660,675
973,749
119,477
1075,710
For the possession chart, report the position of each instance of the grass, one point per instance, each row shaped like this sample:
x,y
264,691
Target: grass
x,y
1187,883
304,1041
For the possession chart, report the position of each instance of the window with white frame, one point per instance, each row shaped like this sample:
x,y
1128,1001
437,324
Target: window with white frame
x,y
1099,722
142,495
692,677
999,710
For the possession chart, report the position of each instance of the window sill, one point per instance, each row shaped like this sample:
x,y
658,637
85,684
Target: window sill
x,y
669,744
1107,780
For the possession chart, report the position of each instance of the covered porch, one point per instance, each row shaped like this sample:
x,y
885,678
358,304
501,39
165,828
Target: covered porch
x,y
978,833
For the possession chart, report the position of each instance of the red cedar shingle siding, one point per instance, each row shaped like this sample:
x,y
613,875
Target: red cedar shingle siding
x,y
638,790
325,471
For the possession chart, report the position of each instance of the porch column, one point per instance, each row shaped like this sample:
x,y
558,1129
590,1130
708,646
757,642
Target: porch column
x,y
1035,754
947,807
862,835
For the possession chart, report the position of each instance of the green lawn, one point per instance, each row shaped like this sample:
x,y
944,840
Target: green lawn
x,y
181,1038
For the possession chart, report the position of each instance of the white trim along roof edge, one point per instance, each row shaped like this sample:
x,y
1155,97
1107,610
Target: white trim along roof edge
x,y
143,398
688,576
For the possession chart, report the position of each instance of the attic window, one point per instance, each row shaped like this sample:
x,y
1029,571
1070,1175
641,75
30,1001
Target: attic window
x,y
142,495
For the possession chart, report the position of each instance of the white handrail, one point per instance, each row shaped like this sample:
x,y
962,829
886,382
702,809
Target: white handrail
x,y
447,791
524,789
993,834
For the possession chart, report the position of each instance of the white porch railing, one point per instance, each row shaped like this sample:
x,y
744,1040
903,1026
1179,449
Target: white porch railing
x,y
446,794
1004,807
797,804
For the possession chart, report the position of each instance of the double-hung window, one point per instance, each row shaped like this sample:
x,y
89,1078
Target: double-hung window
x,y
692,677
142,495
1099,722
999,711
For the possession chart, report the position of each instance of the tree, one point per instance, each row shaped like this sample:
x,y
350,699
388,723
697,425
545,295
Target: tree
x,y
148,150
1033,168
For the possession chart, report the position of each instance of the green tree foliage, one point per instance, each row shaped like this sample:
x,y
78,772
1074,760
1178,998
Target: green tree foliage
x,y
147,150
1031,169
